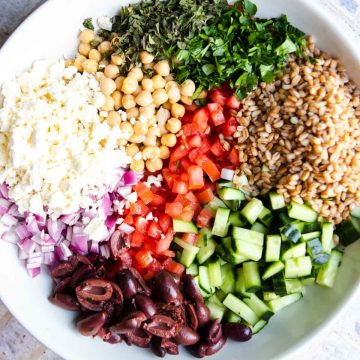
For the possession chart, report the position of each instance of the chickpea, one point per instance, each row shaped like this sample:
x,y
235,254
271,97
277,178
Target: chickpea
x,y
144,98
87,36
99,76
162,115
137,165
147,111
122,142
111,71
150,140
150,152
119,81
169,78
177,110
128,101
173,125
147,85
84,49
158,82
154,165
69,62
136,73
186,100
174,94
117,96
160,97
127,129
167,105
129,85
153,131
137,139
146,58
132,113
117,59
164,152
103,63
109,103
78,62
170,84
132,149
169,140
94,55
90,66
104,47
113,118
107,86
137,91
187,88
162,68
140,128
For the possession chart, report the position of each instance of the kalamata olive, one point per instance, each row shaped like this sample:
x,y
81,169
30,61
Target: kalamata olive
x,y
165,288
100,272
170,346
117,296
211,333
191,289
65,301
112,338
75,260
142,283
156,347
82,273
202,349
203,313
176,277
138,337
95,290
213,349
63,285
118,243
129,322
145,304
191,317
238,332
187,336
62,270
90,325
128,284
162,326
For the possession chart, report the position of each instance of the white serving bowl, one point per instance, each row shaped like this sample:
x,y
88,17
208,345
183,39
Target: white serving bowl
x,y
52,32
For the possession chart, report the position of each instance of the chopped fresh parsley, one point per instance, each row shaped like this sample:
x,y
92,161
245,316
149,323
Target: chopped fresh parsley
x,y
88,23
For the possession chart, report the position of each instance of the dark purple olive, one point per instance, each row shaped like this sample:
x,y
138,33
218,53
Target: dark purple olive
x,y
176,277
63,285
75,260
65,301
138,337
128,284
211,333
156,347
238,332
62,270
213,349
203,313
142,283
170,346
117,296
186,336
191,316
82,273
90,325
129,322
165,288
113,338
145,304
191,289
95,290
202,349
118,243
161,326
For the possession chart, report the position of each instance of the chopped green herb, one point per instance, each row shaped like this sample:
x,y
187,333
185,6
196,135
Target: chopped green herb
x,y
88,23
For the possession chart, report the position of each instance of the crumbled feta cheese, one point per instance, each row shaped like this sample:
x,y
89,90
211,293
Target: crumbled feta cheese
x,y
55,152
149,216
105,23
123,115
96,230
153,180
132,198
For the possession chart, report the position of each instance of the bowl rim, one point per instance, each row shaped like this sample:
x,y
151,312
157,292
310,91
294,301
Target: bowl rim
x,y
327,17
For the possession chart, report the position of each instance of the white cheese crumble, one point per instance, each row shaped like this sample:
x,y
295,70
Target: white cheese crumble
x,y
55,153
105,23
156,180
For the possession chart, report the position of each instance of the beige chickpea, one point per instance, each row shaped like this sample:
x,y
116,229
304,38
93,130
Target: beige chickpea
x,y
109,103
90,66
162,68
129,85
94,55
146,58
186,100
173,125
119,81
137,139
162,115
107,86
99,76
127,129
154,165
160,97
132,113
104,47
136,73
78,61
158,82
87,36
177,110
117,96
150,140
169,78
144,98
137,165
122,142
170,84
147,111
153,131
147,85
137,91
140,128
128,101
111,71
131,150
164,152
103,63
167,105
187,88
150,152
84,49
174,94
117,59
113,118
69,62
168,140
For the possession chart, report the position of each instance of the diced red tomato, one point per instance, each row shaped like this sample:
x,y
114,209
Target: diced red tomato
x,y
190,238
205,196
234,157
173,266
209,167
216,113
228,129
196,177
218,96
185,163
168,253
190,129
164,243
165,222
204,218
217,148
192,197
137,239
154,230
180,152
144,258
169,177
141,224
184,177
194,141
144,193
233,102
187,215
174,209
129,219
158,200
155,266
180,187
139,208
201,118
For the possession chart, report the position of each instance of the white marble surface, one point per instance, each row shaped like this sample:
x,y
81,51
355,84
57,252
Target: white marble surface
x,y
339,342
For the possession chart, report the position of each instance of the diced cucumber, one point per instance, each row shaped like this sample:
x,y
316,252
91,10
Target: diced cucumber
x,y
321,259
310,236
327,237
270,295
215,299
220,295
327,273
294,251
228,279
240,282
235,219
224,183
184,226
265,216
277,201
314,247
215,277
249,250
278,304
258,227
294,286
279,283
231,317
204,281
348,231
185,245
311,227
258,326
356,212
206,251
188,256
227,193
298,267
226,252
241,309
217,309
215,203
273,246
251,276
250,236
273,269
284,218
204,293
261,310
192,269
290,232
309,280
302,212
220,227
252,210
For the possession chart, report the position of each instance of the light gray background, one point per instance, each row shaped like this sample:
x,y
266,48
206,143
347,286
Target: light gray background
x,y
341,342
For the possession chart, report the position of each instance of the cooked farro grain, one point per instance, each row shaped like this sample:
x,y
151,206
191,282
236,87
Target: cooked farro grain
x,y
301,135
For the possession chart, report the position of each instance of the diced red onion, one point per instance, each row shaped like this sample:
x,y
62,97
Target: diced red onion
x,y
69,233
33,272
70,219
63,252
4,206
49,258
47,248
130,178
35,258
55,228
14,210
110,221
27,245
104,250
94,247
227,174
10,237
106,205
23,255
32,225
124,191
22,231
79,244
41,221
4,191
88,214
127,229
9,220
